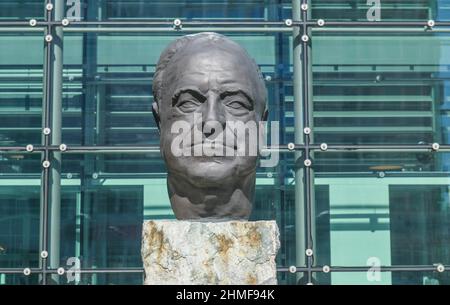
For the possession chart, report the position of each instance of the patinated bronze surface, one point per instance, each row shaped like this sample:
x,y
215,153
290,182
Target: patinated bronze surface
x,y
201,79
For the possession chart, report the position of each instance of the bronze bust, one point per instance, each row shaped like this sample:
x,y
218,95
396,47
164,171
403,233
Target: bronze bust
x,y
207,84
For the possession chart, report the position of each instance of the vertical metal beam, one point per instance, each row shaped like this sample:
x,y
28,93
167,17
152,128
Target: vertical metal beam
x,y
298,136
43,234
56,126
308,138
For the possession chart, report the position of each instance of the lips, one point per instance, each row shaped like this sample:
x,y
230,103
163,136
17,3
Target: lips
x,y
213,145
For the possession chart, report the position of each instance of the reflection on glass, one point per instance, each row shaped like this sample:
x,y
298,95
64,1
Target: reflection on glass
x,y
383,278
99,279
19,279
383,208
392,10
379,88
255,10
21,10
106,197
21,78
107,85
19,214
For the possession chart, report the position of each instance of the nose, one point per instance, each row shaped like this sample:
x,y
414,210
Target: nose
x,y
213,117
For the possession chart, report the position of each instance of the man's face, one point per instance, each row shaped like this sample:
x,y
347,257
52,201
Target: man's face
x,y
210,88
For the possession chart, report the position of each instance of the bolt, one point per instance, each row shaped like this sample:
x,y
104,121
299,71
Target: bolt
x,y
27,271
177,24
288,22
292,269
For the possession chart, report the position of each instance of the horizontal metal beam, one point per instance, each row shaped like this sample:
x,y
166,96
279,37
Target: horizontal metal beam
x,y
277,148
399,268
183,30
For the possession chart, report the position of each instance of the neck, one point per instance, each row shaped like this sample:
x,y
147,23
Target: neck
x,y
226,201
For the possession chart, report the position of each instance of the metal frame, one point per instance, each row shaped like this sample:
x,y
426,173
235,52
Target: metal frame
x,y
304,147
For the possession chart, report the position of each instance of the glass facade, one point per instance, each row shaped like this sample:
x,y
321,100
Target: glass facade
x,y
362,90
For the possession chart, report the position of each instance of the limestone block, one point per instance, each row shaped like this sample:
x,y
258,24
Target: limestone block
x,y
234,252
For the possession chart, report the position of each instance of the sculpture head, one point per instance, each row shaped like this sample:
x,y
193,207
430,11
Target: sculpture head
x,y
206,89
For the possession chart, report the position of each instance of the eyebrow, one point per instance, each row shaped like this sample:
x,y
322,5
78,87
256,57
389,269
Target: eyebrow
x,y
193,91
229,91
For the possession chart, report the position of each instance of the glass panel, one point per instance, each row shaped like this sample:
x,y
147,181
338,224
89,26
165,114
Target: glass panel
x,y
389,207
21,10
256,10
392,10
287,278
21,79
383,278
19,279
106,197
107,93
97,279
380,88
19,211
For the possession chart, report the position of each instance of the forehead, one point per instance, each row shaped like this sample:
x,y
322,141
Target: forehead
x,y
211,68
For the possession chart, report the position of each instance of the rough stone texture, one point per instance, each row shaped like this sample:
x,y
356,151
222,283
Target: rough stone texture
x,y
198,253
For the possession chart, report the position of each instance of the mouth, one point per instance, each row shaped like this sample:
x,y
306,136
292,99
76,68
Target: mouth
x,y
214,145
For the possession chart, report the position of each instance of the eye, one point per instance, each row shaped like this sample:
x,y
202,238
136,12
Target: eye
x,y
238,105
187,105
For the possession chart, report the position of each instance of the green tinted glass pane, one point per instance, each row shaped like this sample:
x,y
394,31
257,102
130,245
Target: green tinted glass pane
x,y
21,79
373,277
106,197
380,10
19,279
21,9
71,278
381,88
257,10
107,85
392,207
20,182
288,278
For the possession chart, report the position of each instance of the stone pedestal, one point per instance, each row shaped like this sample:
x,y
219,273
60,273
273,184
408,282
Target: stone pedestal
x,y
198,253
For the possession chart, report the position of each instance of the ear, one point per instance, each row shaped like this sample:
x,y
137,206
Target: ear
x,y
265,115
155,111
